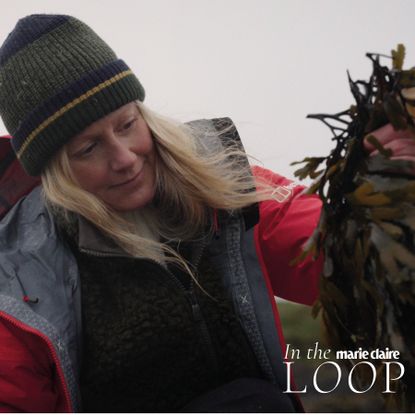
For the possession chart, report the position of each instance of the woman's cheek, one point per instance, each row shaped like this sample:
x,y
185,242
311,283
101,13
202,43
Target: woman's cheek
x,y
90,176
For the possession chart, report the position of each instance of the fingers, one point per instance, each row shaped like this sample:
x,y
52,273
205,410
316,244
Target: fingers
x,y
401,147
387,134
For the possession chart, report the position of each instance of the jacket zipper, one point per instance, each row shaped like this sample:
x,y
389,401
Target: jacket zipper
x,y
52,352
203,329
189,294
196,311
198,316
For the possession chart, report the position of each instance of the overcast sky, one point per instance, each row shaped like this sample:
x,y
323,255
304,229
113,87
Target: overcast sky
x,y
264,63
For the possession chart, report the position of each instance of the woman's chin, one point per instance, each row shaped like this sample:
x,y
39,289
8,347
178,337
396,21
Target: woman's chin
x,y
133,201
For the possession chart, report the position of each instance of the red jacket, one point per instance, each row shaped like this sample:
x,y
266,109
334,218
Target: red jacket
x,y
31,376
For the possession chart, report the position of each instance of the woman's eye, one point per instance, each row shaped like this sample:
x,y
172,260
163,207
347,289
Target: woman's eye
x,y
128,124
87,150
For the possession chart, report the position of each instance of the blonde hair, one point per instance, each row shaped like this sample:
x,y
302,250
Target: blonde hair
x,y
192,181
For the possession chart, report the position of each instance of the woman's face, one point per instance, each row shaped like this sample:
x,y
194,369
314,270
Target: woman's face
x,y
114,159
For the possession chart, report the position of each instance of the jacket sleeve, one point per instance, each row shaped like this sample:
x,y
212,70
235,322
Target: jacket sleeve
x,y
284,226
26,375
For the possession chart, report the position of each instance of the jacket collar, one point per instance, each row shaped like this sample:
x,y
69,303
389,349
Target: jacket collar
x,y
90,239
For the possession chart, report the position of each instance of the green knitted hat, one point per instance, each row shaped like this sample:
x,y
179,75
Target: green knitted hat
x,y
56,78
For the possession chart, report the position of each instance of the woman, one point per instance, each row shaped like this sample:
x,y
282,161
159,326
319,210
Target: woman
x,y
141,274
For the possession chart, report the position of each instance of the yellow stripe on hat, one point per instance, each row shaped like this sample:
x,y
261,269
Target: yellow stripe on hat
x,y
69,106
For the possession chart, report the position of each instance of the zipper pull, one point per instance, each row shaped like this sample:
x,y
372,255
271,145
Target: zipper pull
x,y
32,300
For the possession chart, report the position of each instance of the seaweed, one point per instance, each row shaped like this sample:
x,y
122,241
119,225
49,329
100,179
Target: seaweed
x,y
367,223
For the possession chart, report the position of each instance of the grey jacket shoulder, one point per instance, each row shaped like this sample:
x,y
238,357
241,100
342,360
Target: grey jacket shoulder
x,y
33,261
21,224
28,241
216,132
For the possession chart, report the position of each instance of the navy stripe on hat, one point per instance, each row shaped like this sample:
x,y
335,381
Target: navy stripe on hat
x,y
18,40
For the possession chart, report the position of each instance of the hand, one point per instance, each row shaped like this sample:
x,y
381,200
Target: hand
x,y
401,143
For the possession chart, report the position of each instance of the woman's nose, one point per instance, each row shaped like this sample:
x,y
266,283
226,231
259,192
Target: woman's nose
x,y
121,157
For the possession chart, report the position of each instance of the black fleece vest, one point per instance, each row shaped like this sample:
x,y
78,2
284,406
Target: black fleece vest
x,y
153,340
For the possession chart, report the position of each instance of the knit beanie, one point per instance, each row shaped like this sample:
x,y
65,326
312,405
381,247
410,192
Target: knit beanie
x,y
57,76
